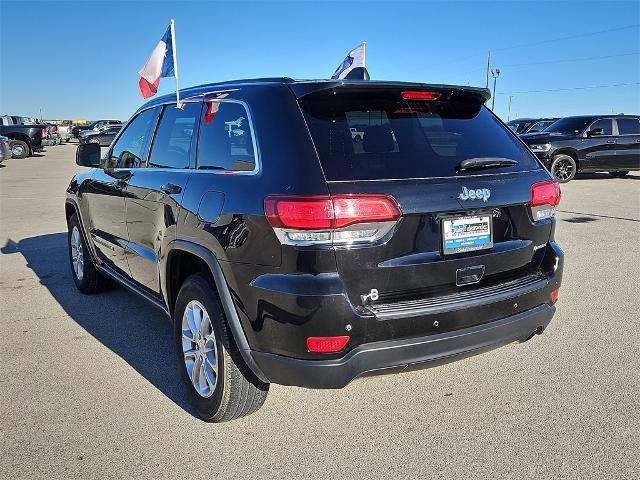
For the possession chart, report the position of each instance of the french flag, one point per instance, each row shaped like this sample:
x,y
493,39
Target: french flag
x,y
161,63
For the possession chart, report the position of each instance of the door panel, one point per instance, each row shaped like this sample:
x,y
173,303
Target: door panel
x,y
105,196
151,221
599,150
628,143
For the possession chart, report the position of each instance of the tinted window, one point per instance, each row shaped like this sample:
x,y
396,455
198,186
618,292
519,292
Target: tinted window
x,y
628,126
540,126
226,140
173,141
518,126
605,124
394,138
130,150
570,125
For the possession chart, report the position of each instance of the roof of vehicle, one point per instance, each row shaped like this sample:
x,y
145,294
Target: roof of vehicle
x,y
303,87
594,117
533,119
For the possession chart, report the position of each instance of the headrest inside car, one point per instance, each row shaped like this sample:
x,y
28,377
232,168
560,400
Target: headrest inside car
x,y
378,138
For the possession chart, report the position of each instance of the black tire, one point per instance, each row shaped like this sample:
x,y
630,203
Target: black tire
x,y
237,392
563,168
21,149
620,174
90,281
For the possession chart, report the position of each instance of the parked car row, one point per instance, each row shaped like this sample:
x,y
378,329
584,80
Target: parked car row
x,y
26,136
103,135
95,126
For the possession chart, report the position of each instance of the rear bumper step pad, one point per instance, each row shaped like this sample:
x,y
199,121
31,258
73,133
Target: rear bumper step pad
x,y
459,300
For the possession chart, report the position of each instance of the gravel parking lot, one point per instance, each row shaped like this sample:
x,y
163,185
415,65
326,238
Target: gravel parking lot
x,y
88,385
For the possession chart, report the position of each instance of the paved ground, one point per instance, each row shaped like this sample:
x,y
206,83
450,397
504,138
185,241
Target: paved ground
x,y
88,386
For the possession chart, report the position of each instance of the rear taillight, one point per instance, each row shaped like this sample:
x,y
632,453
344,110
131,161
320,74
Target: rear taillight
x,y
54,129
43,132
418,95
545,197
554,295
331,219
327,344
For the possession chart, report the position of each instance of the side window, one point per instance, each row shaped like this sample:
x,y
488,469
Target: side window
x,y
226,140
628,126
174,138
130,151
604,124
538,126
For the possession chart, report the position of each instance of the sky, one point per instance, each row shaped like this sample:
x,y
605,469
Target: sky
x,y
79,60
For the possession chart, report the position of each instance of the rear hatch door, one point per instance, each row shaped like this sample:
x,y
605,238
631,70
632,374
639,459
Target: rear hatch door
x,y
461,228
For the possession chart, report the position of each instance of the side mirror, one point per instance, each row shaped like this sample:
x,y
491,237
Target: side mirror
x,y
88,155
595,132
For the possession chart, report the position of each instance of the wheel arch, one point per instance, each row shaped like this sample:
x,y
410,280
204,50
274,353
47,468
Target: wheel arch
x,y
199,257
19,136
570,152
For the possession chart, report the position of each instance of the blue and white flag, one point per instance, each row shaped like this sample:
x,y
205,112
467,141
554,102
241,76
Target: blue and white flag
x,y
355,58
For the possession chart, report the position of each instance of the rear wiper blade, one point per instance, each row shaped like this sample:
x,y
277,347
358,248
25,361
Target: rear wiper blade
x,y
484,162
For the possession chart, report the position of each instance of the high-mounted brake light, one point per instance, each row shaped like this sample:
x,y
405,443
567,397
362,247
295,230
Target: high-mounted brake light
x,y
327,219
545,197
327,344
418,95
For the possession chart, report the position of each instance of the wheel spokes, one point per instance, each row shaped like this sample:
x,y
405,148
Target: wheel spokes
x,y
199,348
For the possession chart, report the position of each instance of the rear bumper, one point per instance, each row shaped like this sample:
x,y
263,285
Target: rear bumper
x,y
396,356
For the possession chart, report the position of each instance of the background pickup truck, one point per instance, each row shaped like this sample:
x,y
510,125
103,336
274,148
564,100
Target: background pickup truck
x,y
24,140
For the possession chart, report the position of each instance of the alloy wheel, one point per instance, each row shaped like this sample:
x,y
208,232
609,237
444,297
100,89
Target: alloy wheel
x,y
77,255
199,349
563,170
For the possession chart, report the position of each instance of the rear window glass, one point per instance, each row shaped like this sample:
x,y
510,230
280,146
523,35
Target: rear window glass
x,y
364,135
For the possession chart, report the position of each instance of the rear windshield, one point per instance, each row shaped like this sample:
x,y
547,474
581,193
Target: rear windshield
x,y
365,135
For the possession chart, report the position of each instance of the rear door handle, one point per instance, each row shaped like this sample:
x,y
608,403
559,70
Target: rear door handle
x,y
611,141
170,189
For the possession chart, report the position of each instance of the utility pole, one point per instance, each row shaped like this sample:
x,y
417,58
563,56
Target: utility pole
x,y
509,112
488,68
495,76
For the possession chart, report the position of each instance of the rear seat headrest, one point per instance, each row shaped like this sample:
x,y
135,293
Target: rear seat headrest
x,y
377,139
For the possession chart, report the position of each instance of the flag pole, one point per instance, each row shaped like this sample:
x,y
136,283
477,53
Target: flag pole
x,y
364,54
175,61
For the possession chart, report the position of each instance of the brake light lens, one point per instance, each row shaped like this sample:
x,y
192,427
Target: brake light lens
x,y
331,219
545,197
417,95
43,132
327,344
554,295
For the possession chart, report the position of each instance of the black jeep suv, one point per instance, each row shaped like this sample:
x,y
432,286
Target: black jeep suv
x,y
609,143
285,251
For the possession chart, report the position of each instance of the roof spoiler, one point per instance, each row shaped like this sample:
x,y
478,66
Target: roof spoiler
x,y
358,73
308,87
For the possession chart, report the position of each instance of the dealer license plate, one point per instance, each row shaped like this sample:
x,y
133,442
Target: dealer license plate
x,y
466,234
